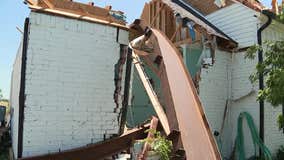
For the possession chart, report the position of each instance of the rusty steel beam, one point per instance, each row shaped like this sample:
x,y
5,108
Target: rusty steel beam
x,y
98,151
197,139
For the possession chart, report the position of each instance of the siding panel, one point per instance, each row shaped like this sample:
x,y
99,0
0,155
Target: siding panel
x,y
238,22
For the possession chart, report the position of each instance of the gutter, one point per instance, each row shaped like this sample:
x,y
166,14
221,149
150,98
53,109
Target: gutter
x,y
261,81
22,89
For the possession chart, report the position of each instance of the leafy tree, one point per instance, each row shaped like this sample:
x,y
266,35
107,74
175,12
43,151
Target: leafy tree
x,y
273,70
280,16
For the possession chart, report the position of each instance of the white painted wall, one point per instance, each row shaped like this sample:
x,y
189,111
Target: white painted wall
x,y
273,137
242,100
241,24
237,21
214,89
14,98
69,84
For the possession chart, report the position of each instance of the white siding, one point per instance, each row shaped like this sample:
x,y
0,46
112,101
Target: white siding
x,y
273,137
15,92
238,22
69,84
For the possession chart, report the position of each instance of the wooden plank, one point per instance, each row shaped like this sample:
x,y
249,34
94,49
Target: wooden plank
x,y
151,94
146,148
49,4
185,41
176,32
157,16
98,151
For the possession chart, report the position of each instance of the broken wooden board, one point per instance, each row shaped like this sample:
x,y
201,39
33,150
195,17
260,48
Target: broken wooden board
x,y
151,93
98,151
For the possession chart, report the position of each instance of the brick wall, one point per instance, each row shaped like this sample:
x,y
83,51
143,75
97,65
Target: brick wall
x,y
273,137
69,84
214,92
244,98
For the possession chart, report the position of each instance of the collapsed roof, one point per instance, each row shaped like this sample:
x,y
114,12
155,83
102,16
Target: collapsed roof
x,y
86,12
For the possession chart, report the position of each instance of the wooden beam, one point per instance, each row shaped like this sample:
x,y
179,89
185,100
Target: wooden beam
x,y
146,148
185,41
157,15
176,32
98,151
49,4
151,94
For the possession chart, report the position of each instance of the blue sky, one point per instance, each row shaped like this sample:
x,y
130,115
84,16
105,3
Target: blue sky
x,y
14,12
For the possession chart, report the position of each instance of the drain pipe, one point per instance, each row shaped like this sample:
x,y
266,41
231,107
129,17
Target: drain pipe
x,y
261,81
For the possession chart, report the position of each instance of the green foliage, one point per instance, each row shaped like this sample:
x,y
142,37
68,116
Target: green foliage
x,y
280,17
160,144
272,69
280,121
280,153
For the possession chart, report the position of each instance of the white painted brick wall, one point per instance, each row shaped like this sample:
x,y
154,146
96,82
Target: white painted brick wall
x,y
14,98
241,87
69,84
273,137
214,89
211,93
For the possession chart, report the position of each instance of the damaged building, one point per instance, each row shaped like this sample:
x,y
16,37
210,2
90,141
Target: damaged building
x,y
80,84
67,78
214,54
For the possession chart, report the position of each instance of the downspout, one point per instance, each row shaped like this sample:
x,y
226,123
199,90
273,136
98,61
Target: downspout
x,y
261,81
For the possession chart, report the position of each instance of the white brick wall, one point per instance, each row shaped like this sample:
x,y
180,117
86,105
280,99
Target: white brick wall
x,y
214,91
243,29
273,137
243,101
69,84
14,97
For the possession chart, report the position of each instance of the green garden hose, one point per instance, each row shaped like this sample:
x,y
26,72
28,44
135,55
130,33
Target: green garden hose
x,y
255,137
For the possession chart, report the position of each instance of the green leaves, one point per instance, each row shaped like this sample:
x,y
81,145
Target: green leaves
x,y
251,52
160,144
280,121
272,69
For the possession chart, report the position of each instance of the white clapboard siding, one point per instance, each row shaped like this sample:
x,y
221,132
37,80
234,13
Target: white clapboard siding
x,y
238,22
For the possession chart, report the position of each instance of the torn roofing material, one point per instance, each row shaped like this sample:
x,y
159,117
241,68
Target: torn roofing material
x,y
186,10
207,7
86,12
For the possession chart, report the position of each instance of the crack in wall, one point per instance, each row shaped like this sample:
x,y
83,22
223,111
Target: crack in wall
x,y
118,73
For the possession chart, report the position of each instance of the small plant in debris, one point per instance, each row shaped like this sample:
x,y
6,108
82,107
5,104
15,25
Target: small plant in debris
x,y
160,144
